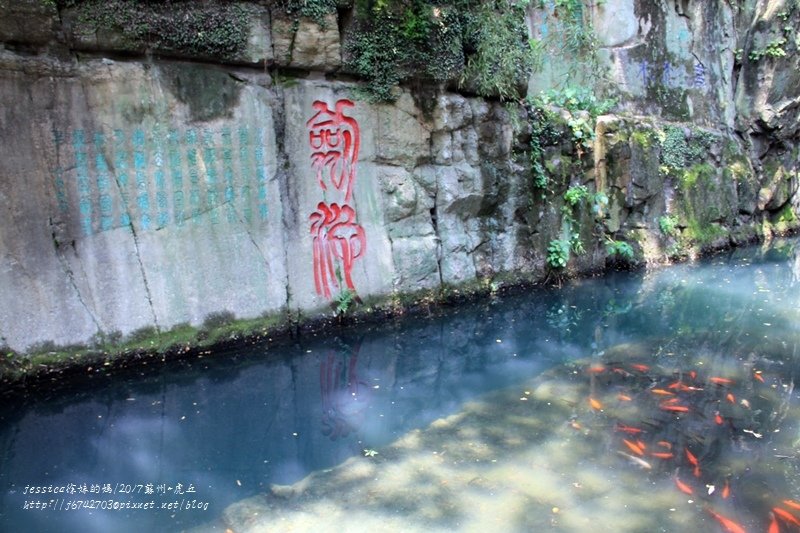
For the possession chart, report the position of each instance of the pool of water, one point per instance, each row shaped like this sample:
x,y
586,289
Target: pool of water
x,y
634,402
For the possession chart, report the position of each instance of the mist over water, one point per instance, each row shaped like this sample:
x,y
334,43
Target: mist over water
x,y
507,414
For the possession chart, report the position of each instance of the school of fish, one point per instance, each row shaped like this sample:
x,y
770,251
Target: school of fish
x,y
686,410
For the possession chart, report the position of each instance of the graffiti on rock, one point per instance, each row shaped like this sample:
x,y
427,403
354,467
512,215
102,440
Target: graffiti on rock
x,y
338,240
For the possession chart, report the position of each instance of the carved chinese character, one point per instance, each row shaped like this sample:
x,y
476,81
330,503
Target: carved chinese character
x,y
334,140
338,242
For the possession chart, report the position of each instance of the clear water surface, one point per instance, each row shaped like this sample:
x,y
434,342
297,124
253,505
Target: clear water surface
x,y
633,402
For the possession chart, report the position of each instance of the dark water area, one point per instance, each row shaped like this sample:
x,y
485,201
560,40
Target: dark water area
x,y
230,426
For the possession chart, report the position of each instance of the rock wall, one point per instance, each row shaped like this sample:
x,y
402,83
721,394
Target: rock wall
x,y
145,185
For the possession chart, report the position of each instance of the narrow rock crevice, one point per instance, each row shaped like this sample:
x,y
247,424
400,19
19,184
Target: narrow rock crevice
x,y
71,278
148,294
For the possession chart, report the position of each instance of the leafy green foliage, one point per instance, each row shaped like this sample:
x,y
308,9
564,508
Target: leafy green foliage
x,y
483,44
503,55
575,194
619,248
404,40
558,253
315,10
574,98
218,30
668,224
678,152
344,301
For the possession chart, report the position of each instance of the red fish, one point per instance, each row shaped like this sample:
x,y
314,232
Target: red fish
x,y
633,447
758,376
773,525
727,523
720,381
683,487
693,374
663,455
792,504
726,490
596,369
693,460
640,367
731,398
718,418
595,404
786,516
662,392
665,444
676,385
675,408
670,401
628,429
624,397
641,444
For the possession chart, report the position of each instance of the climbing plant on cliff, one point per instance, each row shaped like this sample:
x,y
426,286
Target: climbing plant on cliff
x,y
218,30
481,45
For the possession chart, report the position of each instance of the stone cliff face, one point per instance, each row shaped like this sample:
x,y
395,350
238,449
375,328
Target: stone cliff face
x,y
151,183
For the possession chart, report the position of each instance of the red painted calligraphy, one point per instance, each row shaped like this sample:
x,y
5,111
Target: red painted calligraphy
x,y
338,239
334,139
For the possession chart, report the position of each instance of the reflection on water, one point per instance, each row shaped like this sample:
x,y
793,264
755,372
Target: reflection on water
x,y
657,402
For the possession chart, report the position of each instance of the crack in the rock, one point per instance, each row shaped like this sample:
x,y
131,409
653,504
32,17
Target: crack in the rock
x,y
144,276
71,277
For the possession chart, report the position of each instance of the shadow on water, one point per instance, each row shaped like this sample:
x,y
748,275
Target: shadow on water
x,y
510,415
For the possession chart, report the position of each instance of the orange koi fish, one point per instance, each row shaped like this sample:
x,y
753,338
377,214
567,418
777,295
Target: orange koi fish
x,y
670,401
731,398
676,385
693,460
597,406
786,516
675,408
665,444
640,367
718,418
596,369
628,429
633,447
624,397
773,525
792,504
662,392
758,376
641,444
693,374
663,455
726,490
683,487
720,381
575,425
727,523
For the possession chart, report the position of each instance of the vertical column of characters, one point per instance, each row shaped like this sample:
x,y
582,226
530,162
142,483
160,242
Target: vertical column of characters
x,y
82,178
160,178
261,174
246,172
212,181
176,176
103,182
140,174
227,173
58,174
194,175
338,240
121,166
